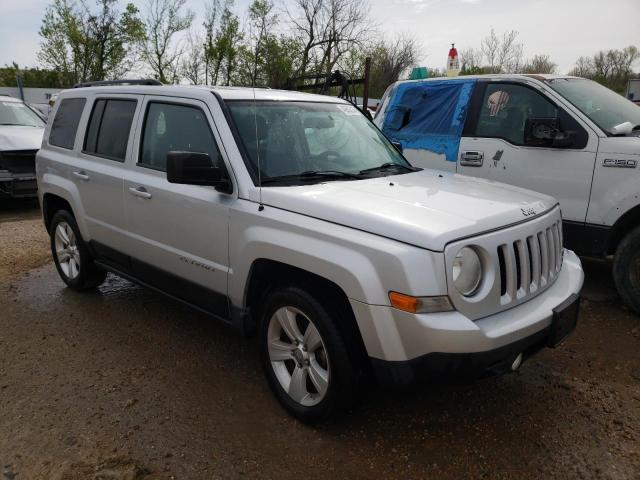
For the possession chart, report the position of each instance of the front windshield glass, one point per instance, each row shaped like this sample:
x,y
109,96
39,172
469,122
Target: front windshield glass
x,y
605,107
323,141
17,113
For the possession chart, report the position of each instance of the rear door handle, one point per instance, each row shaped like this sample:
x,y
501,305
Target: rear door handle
x,y
140,191
472,158
81,175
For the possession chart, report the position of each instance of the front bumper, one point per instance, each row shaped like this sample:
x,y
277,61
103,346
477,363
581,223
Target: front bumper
x,y
18,184
412,345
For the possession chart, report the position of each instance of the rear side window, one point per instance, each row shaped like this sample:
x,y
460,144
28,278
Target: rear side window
x,y
65,123
169,127
109,127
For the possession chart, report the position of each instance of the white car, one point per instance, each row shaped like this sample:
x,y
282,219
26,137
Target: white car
x,y
567,137
291,215
21,130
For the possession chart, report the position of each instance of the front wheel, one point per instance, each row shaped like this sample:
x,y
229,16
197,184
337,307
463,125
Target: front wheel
x,y
626,269
71,255
304,356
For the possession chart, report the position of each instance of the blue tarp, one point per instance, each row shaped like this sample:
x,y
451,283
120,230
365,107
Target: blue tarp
x,y
429,115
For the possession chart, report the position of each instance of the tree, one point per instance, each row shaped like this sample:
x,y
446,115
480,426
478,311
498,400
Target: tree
x,y
193,61
502,55
225,46
261,21
89,45
612,68
210,19
164,18
328,29
34,77
539,64
390,59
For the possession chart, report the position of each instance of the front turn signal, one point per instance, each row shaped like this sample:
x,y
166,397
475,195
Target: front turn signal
x,y
411,304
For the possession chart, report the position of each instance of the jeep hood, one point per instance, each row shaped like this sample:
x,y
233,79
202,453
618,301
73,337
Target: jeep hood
x,y
18,137
428,208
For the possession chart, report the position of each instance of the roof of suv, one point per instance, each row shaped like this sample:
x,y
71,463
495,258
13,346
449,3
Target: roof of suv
x,y
227,93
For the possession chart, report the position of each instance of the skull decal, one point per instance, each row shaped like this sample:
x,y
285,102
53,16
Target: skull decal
x,y
496,102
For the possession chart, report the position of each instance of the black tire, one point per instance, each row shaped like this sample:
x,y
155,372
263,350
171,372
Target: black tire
x,y
626,269
88,275
342,391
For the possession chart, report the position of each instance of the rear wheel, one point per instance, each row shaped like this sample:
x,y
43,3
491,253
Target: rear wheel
x,y
71,255
304,356
626,269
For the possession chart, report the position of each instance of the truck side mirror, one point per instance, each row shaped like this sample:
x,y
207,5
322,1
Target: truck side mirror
x,y
195,168
546,132
398,146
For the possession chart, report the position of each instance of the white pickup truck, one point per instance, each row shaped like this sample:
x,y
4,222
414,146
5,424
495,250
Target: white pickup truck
x,y
564,136
292,215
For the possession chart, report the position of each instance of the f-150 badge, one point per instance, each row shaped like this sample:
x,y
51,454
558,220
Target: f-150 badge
x,y
619,163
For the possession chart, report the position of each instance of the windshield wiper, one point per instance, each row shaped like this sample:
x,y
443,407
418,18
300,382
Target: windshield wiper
x,y
328,173
312,175
388,166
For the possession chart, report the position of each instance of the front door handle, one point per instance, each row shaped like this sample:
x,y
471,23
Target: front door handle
x,y
472,158
140,191
81,175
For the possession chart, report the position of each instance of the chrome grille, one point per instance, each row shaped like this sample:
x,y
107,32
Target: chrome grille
x,y
529,264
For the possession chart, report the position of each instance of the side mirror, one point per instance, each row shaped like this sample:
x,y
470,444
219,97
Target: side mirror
x,y
398,146
546,132
194,168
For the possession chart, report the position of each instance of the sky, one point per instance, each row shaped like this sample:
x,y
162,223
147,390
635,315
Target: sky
x,y
563,29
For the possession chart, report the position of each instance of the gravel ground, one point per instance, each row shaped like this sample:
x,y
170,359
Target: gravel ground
x,y
126,384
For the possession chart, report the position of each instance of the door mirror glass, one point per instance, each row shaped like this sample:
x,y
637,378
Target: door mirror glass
x,y
546,132
194,168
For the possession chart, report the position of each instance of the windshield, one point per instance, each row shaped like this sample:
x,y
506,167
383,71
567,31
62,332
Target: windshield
x,y
605,107
303,141
17,113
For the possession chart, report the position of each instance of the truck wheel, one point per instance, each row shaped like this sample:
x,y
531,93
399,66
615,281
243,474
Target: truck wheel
x,y
70,254
304,356
626,269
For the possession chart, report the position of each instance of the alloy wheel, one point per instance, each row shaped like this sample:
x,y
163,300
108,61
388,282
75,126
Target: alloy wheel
x,y
67,252
298,356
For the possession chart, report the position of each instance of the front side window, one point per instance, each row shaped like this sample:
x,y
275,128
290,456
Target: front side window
x,y
17,113
170,127
285,140
109,127
65,123
506,108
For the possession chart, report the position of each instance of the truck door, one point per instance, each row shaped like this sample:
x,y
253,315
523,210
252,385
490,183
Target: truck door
x,y
512,136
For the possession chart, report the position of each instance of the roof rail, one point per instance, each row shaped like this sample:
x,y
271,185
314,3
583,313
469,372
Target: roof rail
x,y
105,83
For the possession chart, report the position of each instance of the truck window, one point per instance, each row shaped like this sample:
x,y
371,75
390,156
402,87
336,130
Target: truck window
x,y
505,109
170,127
109,127
65,123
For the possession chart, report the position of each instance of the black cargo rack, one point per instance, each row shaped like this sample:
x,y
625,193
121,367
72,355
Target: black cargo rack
x,y
107,83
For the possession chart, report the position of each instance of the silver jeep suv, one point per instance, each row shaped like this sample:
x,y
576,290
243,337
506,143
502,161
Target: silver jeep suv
x,y
292,216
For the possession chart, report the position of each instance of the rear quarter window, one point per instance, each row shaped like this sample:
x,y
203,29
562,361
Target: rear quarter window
x,y
65,123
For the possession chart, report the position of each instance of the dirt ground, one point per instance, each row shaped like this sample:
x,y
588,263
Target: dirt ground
x,y
126,384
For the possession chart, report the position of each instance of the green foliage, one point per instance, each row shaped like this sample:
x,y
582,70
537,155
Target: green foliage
x,y
33,77
84,43
163,20
611,68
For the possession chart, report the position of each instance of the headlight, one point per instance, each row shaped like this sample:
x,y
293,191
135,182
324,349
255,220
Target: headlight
x,y
467,271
